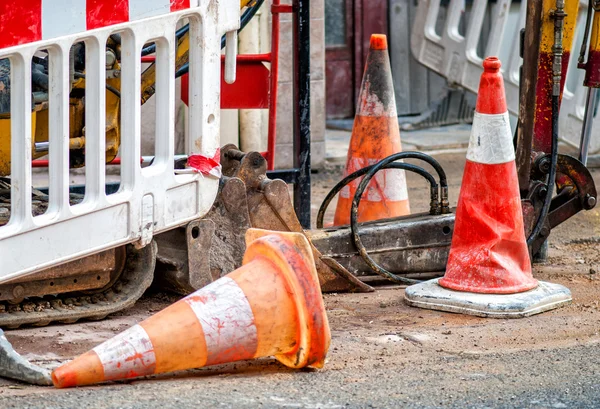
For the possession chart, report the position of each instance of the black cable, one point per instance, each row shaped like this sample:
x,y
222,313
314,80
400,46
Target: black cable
x,y
338,187
246,17
586,32
404,155
539,224
40,79
108,87
354,222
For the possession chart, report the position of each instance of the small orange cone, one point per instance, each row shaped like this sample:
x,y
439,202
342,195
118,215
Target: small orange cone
x,y
489,270
272,305
375,136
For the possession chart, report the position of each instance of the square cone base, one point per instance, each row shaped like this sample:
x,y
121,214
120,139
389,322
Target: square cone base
x,y
432,296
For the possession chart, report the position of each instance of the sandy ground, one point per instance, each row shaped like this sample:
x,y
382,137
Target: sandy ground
x,y
383,353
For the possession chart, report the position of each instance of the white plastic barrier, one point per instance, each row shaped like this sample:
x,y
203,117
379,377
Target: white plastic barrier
x,y
455,56
150,200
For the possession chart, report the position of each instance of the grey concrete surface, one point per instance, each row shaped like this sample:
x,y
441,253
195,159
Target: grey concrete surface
x,y
384,354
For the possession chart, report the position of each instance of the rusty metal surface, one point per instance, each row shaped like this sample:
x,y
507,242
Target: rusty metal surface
x,y
103,262
184,269
218,249
413,244
527,100
576,191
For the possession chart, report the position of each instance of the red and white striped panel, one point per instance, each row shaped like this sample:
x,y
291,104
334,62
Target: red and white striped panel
x,y
27,21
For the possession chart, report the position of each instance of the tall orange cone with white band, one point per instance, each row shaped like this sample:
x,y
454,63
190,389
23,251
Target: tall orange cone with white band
x,y
271,306
489,270
375,136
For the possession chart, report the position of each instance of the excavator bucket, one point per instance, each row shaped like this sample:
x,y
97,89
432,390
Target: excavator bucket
x,y
205,250
14,366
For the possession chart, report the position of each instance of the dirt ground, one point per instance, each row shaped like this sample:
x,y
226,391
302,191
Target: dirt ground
x,y
383,353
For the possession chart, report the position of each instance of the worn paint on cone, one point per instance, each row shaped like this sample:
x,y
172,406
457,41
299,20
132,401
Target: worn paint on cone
x,y
488,252
271,306
375,136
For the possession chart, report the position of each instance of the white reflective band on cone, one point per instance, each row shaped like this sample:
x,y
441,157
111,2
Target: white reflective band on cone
x,y
226,318
491,139
130,352
389,182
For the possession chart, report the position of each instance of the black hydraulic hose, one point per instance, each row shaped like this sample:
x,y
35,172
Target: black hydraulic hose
x,y
361,172
444,204
246,17
108,87
557,53
116,38
539,224
586,33
40,79
151,49
354,223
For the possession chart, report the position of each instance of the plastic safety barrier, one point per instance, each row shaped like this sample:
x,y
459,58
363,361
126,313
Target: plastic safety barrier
x,y
149,200
452,38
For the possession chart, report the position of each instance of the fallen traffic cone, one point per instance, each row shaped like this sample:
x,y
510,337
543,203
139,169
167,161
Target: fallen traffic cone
x,y
375,136
272,305
489,271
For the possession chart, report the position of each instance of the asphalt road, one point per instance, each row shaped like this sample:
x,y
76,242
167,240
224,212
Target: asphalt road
x,y
559,378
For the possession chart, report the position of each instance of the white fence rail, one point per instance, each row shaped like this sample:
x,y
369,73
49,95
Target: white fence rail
x,y
457,54
150,200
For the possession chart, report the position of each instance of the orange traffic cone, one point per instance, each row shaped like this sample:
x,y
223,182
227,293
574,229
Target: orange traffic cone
x,y
272,305
489,270
375,136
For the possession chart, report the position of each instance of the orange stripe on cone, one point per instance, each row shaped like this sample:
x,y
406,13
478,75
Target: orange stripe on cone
x,y
271,306
375,136
489,253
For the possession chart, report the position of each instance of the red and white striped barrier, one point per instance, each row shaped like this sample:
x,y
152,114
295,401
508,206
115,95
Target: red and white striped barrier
x,y
27,21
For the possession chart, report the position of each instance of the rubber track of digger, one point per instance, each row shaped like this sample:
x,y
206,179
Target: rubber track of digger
x,y
66,308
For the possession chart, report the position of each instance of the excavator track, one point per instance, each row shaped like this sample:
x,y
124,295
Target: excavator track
x,y
131,278
68,308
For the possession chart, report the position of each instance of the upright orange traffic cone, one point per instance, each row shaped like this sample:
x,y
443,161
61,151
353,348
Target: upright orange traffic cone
x,y
272,305
375,136
489,270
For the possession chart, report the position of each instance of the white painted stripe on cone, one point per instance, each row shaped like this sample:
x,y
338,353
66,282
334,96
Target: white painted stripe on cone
x,y
387,184
491,139
227,321
372,106
63,17
139,9
127,355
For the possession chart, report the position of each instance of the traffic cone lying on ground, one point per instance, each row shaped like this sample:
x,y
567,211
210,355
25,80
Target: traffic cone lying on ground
x,y
489,270
375,136
272,305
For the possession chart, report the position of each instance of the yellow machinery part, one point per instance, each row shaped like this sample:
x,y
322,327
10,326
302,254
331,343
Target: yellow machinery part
x,y
5,142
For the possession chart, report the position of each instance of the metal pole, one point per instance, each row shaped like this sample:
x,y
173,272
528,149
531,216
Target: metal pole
x,y
586,130
301,51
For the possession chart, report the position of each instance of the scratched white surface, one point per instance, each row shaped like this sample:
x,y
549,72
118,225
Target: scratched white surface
x,y
127,355
491,139
227,320
388,184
